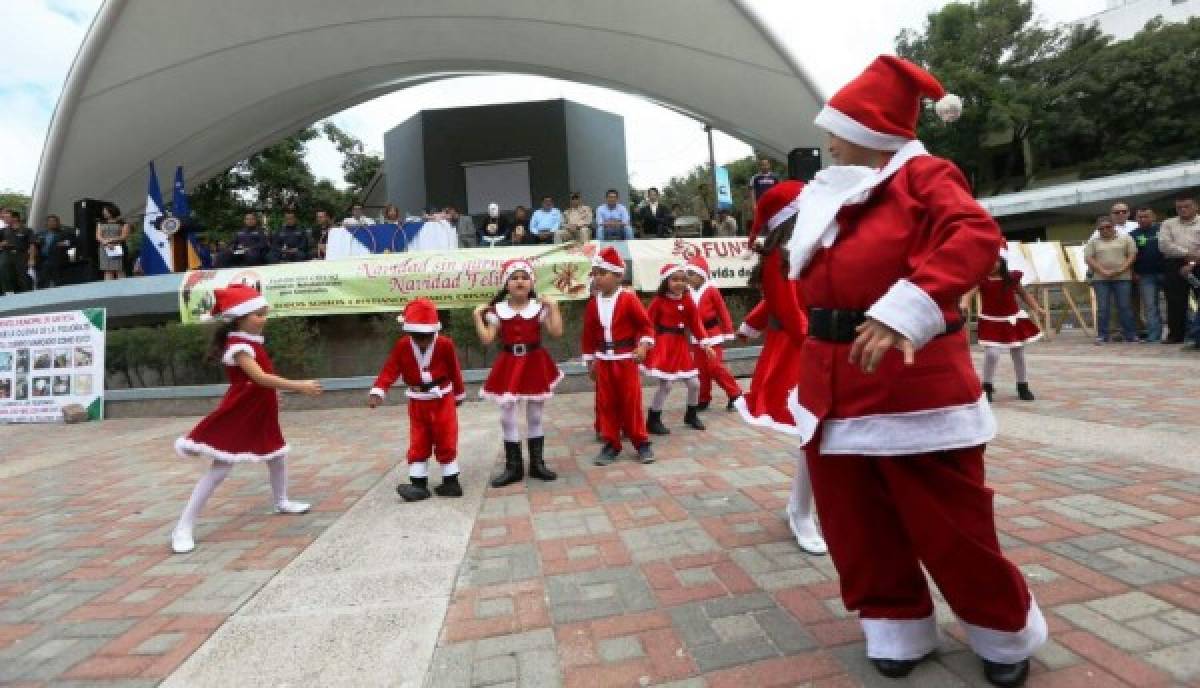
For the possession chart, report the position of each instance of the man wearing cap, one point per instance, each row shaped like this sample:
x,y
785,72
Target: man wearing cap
x,y
885,244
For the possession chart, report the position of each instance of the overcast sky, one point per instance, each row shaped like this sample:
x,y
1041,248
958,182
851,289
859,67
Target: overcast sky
x,y
42,37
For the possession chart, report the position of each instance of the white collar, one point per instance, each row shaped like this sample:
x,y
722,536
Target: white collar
x,y
697,293
256,338
424,358
832,189
505,311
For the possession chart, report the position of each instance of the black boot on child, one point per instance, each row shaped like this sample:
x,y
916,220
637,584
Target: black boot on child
x,y
449,487
1023,392
654,424
537,464
416,490
514,466
692,418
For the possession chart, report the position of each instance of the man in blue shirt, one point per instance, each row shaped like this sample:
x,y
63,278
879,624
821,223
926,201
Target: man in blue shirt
x,y
764,180
612,219
1148,270
545,222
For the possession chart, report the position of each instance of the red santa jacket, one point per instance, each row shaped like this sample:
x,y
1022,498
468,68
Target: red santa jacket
x,y
430,375
782,306
906,256
614,326
680,315
714,314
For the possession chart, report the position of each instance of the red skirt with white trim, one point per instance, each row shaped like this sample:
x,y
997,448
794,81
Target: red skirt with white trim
x,y
769,401
244,427
531,377
671,358
1013,331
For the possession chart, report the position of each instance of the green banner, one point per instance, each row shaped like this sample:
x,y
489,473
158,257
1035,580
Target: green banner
x,y
385,282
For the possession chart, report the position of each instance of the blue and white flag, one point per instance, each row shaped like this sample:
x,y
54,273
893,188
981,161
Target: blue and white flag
x,y
156,245
198,256
724,193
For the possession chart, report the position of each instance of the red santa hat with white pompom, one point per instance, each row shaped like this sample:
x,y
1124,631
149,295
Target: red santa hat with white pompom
x,y
234,301
879,108
420,316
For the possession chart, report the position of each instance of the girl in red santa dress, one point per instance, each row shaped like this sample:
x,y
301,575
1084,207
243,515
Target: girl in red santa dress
x,y
885,244
1003,324
772,395
718,328
245,426
675,318
523,370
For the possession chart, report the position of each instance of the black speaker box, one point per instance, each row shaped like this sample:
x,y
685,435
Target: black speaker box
x,y
804,163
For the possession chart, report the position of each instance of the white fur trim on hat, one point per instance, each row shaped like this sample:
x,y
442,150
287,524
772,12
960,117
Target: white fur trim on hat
x,y
844,126
598,262
949,108
244,308
522,265
785,213
421,329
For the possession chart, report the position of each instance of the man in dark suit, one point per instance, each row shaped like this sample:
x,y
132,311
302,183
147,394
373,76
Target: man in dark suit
x,y
654,218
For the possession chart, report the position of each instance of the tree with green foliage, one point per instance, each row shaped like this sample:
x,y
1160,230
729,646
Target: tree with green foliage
x,y
358,166
14,199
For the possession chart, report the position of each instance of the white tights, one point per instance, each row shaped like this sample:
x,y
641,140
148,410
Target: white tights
x,y
512,426
991,357
664,388
276,468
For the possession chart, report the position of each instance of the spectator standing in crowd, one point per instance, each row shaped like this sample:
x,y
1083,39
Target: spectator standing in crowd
x,y
250,246
577,221
612,219
356,212
1179,240
520,226
764,180
495,229
111,235
320,234
1120,217
702,210
545,223
391,215
464,225
1148,271
1111,257
725,225
654,217
53,245
290,243
18,251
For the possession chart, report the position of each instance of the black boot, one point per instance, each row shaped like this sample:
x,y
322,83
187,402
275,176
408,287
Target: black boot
x,y
1023,392
654,424
514,466
897,668
1006,675
537,465
989,390
416,490
692,418
645,453
449,487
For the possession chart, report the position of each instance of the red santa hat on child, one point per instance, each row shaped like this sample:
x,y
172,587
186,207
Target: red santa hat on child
x,y
698,265
236,300
775,207
879,108
420,316
669,269
608,259
514,265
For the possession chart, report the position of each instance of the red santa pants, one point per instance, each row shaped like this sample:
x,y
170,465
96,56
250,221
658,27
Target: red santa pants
x,y
619,402
713,369
432,430
885,517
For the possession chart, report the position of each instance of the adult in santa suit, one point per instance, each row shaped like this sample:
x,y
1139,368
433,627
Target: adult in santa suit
x,y
885,243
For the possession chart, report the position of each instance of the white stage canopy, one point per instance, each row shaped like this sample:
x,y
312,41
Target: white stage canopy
x,y
203,84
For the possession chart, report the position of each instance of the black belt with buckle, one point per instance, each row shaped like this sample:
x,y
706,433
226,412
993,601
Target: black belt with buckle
x,y
611,347
840,326
663,329
435,384
522,349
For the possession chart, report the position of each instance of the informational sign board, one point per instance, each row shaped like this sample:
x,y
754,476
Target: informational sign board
x,y
49,361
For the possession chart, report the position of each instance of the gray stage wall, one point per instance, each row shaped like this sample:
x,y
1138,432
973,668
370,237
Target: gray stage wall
x,y
569,146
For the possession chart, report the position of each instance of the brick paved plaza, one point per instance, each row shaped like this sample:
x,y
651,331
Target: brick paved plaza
x,y
681,573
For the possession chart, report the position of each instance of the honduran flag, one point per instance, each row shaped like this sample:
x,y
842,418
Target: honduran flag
x,y
198,257
156,245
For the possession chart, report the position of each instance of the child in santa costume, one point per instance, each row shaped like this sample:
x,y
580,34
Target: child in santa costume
x,y
245,426
885,244
1003,324
718,328
524,370
675,318
427,362
617,334
772,395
